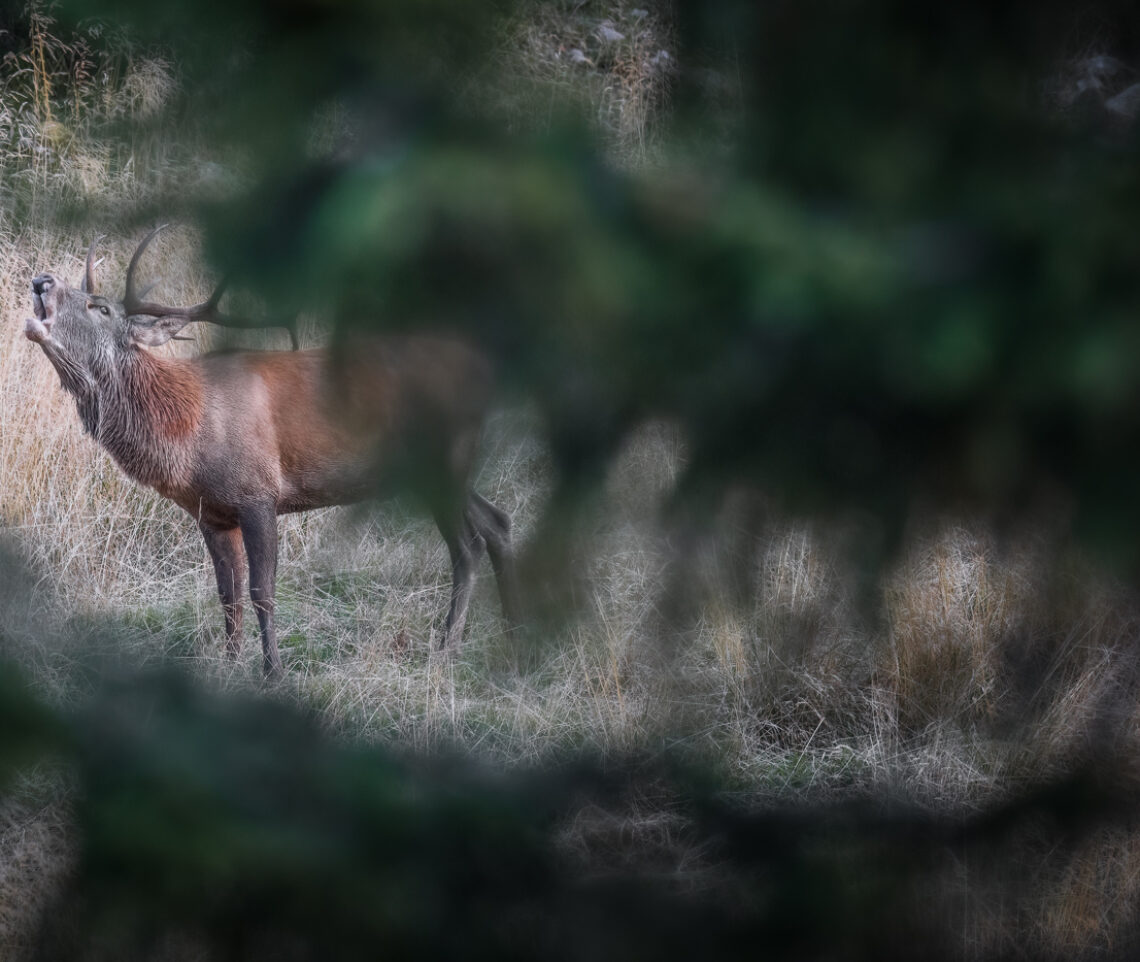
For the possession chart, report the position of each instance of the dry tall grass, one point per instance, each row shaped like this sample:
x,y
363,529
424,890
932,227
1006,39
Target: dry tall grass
x,y
611,63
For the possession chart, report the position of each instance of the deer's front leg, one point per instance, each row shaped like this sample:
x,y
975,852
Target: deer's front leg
x,y
228,555
259,531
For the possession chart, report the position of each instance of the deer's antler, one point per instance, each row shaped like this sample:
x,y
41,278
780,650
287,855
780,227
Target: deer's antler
x,y
134,304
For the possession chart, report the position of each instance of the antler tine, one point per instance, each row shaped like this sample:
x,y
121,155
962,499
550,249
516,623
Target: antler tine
x,y
133,299
88,286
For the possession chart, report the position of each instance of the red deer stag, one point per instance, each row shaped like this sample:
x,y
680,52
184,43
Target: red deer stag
x,y
239,437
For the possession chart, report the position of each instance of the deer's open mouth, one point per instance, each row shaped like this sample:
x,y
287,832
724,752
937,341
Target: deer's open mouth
x,y
38,328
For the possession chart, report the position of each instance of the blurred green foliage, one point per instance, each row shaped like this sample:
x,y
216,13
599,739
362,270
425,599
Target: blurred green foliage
x,y
229,826
905,281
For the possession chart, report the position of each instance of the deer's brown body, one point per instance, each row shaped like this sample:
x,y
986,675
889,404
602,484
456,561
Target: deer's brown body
x,y
236,438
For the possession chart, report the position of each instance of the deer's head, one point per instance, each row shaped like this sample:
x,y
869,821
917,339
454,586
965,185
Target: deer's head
x,y
86,325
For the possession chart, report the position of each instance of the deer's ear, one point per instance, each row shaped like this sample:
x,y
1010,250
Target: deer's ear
x,y
151,332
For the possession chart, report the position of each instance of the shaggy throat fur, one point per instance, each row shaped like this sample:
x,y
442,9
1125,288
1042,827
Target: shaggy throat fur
x,y
149,410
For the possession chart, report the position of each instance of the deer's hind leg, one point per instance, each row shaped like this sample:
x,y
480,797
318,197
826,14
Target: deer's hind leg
x,y
494,526
465,545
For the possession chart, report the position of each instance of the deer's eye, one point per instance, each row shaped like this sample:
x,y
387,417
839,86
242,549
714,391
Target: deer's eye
x,y
103,308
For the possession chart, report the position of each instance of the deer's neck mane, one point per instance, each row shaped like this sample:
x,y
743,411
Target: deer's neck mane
x,y
149,411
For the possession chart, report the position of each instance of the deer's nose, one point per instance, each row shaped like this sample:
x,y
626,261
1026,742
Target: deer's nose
x,y
42,283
